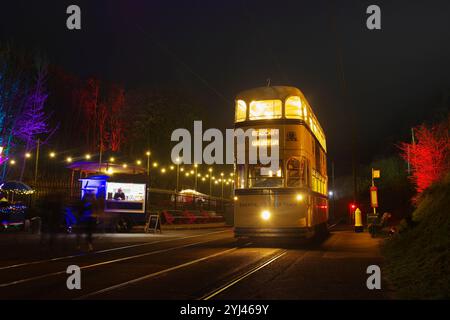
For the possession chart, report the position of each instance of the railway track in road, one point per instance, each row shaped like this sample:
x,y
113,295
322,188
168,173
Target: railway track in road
x,y
228,284
103,262
36,262
170,266
155,274
241,277
95,265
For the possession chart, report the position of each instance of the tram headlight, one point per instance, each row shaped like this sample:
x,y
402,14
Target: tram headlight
x,y
299,197
265,215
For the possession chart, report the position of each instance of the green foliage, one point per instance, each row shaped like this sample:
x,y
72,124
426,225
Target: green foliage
x,y
418,259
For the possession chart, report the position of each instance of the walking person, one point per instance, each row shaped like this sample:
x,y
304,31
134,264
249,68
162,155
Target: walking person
x,y
52,214
88,219
80,225
91,222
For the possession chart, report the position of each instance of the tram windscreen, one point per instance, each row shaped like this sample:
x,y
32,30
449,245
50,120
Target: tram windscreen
x,y
263,177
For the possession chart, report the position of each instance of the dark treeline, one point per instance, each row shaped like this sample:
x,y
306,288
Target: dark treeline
x,y
72,116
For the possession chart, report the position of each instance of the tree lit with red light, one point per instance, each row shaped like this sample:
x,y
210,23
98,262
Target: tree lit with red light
x,y
429,156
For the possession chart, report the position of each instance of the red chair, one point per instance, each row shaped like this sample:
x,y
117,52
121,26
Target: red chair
x,y
191,218
168,217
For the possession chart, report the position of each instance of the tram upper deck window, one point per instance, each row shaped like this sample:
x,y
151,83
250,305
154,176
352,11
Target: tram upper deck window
x,y
265,109
241,111
293,108
262,177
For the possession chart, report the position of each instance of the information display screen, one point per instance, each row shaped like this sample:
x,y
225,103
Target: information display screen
x,y
125,197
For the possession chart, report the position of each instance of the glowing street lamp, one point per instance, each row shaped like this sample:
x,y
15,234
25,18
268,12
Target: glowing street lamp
x,y
27,155
177,162
69,159
112,159
148,153
12,162
210,182
52,154
87,156
138,162
196,176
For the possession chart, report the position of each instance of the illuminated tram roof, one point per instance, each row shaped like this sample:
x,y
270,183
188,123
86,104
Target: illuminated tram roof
x,y
264,93
277,102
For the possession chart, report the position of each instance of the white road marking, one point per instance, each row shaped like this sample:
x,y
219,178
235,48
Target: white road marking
x,y
3,285
105,250
151,275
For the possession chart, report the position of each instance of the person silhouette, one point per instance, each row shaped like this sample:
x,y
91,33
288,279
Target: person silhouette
x,y
119,195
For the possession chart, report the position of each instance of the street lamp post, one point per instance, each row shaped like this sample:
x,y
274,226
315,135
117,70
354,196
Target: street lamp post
x,y
178,174
148,153
221,174
231,184
37,161
195,184
210,181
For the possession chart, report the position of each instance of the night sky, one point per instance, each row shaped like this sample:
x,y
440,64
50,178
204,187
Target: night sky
x,y
396,76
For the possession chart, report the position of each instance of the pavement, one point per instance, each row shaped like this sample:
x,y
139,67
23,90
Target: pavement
x,y
192,264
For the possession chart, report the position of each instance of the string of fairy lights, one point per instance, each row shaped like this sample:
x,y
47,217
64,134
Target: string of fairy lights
x,y
186,170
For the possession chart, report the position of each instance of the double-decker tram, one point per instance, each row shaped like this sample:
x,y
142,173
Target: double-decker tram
x,y
291,202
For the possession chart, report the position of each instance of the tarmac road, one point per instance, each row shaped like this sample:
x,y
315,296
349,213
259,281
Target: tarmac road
x,y
192,264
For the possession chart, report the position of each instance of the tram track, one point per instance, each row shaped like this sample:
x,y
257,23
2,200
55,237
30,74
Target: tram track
x,y
229,280
242,276
236,277
106,262
155,274
214,267
36,262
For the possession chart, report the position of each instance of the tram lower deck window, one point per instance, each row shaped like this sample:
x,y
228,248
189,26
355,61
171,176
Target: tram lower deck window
x,y
263,177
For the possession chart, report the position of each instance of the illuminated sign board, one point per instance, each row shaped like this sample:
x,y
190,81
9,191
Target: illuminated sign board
x,y
125,197
264,138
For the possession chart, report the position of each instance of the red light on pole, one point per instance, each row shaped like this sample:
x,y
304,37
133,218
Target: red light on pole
x,y
351,209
